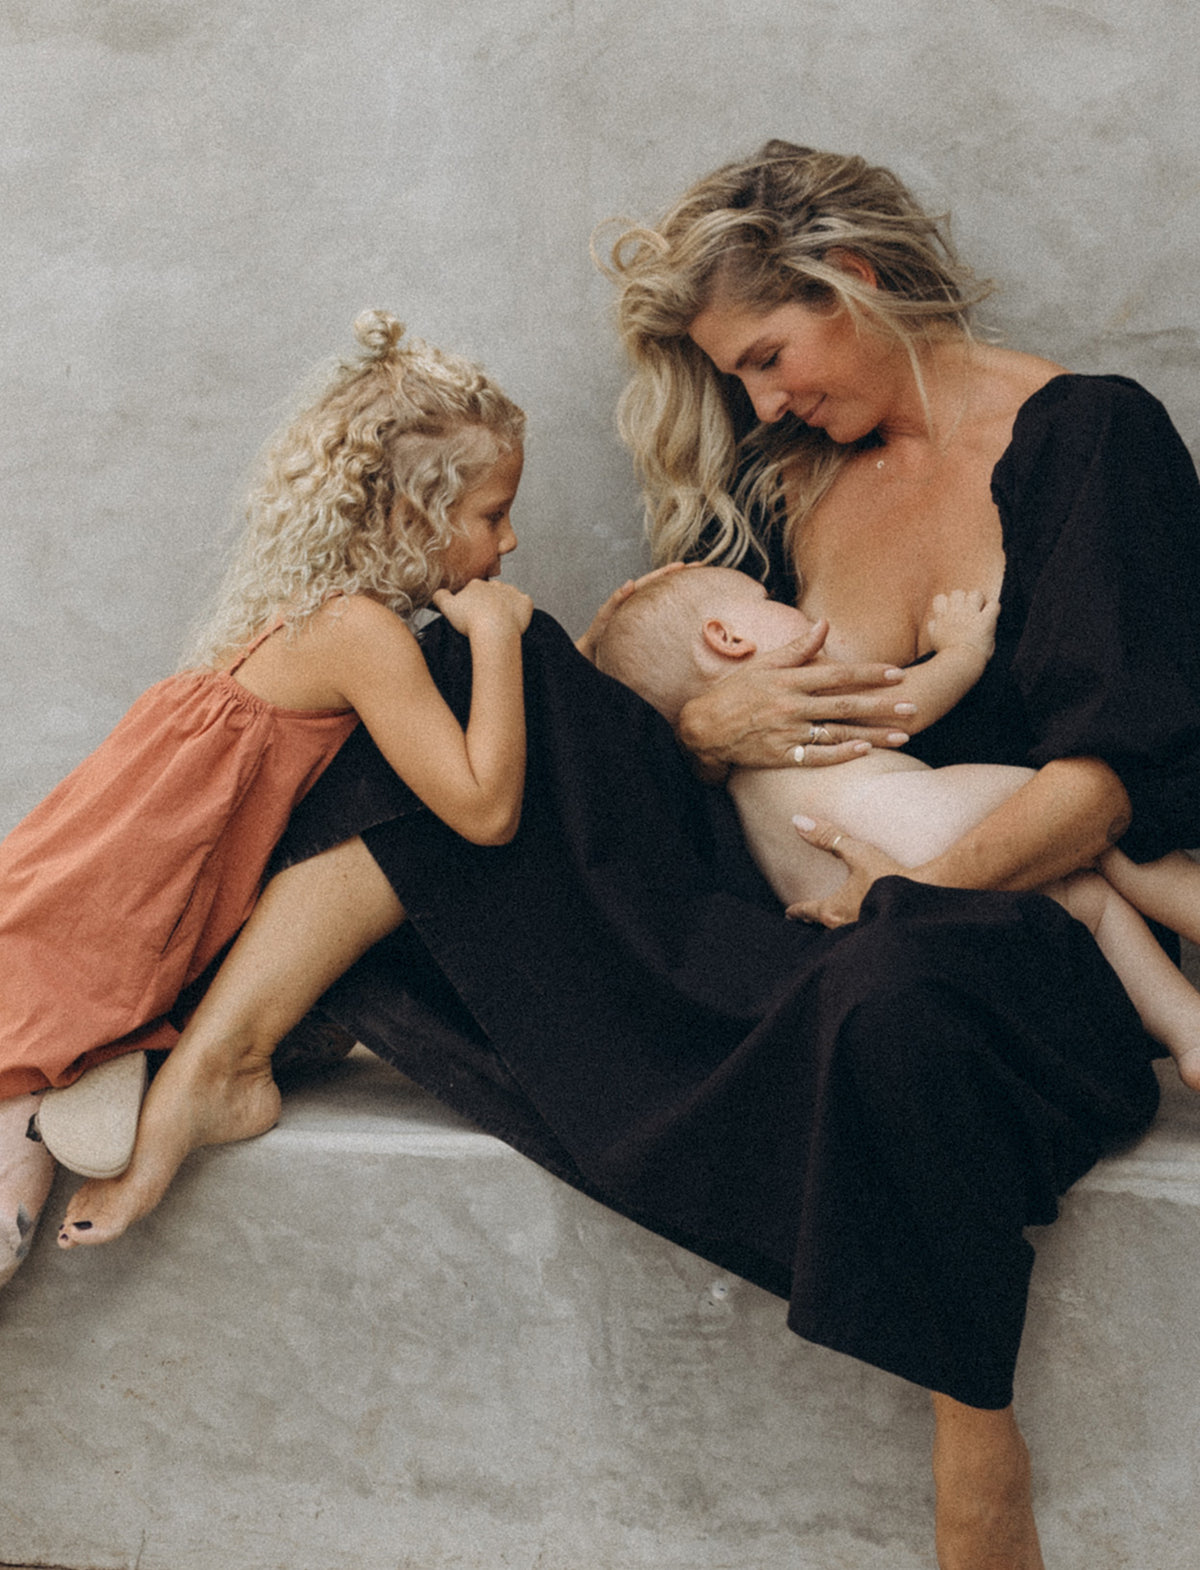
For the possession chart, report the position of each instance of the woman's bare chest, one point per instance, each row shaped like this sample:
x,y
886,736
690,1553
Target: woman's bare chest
x,y
876,551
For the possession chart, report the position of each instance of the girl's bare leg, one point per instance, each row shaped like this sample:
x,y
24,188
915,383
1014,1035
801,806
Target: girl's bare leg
x,y
984,1493
1166,1001
26,1173
313,921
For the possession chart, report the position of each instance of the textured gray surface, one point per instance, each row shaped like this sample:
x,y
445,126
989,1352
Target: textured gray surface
x,y
376,1340
282,1368
197,200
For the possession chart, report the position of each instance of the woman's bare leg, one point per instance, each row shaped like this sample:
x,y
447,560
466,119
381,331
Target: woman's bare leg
x,y
984,1493
26,1173
312,922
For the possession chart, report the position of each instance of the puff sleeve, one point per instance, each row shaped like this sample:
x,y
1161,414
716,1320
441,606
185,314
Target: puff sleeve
x,y
1101,511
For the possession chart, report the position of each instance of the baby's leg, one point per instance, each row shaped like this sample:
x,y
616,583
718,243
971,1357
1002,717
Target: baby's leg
x,y
1167,890
26,1173
1168,1004
312,923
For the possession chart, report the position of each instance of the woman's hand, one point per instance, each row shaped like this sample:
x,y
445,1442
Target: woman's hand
x,y
785,710
863,862
590,642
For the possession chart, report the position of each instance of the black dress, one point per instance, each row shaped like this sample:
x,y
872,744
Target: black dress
x,y
861,1121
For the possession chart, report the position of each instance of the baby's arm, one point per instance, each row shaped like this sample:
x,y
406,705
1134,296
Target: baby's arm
x,y
473,780
962,629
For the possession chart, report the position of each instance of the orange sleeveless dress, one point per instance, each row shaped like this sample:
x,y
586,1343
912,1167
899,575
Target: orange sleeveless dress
x,y
131,876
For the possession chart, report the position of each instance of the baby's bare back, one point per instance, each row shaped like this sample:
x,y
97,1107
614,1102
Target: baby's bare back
x,y
890,799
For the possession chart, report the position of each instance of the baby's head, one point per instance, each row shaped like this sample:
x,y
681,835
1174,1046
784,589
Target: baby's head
x,y
682,632
370,489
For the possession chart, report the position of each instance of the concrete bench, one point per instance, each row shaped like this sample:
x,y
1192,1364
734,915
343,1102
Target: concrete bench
x,y
376,1339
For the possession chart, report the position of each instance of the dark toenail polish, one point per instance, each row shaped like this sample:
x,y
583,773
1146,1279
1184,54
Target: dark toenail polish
x,y
32,1131
82,1226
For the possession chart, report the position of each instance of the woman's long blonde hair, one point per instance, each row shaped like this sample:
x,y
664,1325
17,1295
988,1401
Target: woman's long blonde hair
x,y
356,494
759,234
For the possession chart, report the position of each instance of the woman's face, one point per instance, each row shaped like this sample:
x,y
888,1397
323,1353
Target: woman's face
x,y
812,363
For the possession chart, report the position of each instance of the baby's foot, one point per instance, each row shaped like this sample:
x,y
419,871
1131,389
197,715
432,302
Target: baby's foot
x,y
188,1105
26,1173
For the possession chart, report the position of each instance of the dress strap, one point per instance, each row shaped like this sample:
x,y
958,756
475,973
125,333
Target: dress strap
x,y
254,644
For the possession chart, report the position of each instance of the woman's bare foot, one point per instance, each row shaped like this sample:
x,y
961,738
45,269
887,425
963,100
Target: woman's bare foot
x,y
26,1173
1187,1062
194,1100
984,1495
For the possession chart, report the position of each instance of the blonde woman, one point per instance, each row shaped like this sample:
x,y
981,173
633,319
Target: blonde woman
x,y
808,401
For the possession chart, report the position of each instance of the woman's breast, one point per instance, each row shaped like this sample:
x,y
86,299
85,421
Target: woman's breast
x,y
872,564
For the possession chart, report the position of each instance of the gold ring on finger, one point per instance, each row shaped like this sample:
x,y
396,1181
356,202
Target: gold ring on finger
x,y
835,842
821,734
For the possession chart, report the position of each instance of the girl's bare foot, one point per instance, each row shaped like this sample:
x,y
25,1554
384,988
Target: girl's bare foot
x,y
984,1494
312,922
193,1100
26,1173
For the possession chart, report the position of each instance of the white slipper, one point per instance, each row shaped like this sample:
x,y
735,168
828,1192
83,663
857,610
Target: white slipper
x,y
90,1126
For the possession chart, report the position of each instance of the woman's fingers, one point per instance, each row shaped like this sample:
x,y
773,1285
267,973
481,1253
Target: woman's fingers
x,y
813,756
590,641
864,862
758,717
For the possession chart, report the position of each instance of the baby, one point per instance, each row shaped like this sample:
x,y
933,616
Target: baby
x,y
686,630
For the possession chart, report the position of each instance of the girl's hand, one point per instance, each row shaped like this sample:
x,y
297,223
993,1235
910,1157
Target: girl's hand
x,y
964,617
864,863
485,604
760,716
590,642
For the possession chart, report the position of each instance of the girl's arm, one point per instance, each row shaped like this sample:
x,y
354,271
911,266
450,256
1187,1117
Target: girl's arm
x,y
473,780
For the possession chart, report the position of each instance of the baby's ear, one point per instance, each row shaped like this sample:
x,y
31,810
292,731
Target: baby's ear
x,y
723,640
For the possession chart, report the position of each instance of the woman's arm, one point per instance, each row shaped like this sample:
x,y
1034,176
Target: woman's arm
x,y
1070,812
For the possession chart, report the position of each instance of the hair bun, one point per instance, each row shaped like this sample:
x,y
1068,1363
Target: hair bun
x,y
379,333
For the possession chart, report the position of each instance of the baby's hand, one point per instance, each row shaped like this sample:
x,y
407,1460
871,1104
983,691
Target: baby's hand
x,y
964,617
485,604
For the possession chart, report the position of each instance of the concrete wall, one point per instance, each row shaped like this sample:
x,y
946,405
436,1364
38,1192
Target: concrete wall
x,y
199,198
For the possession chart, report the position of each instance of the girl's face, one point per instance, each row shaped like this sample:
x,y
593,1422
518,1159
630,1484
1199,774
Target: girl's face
x,y
795,360
483,528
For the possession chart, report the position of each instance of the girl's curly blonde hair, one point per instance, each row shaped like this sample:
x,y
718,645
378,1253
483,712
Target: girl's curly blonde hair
x,y
761,233
356,494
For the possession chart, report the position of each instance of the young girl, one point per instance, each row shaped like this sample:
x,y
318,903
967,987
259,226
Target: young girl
x,y
391,492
